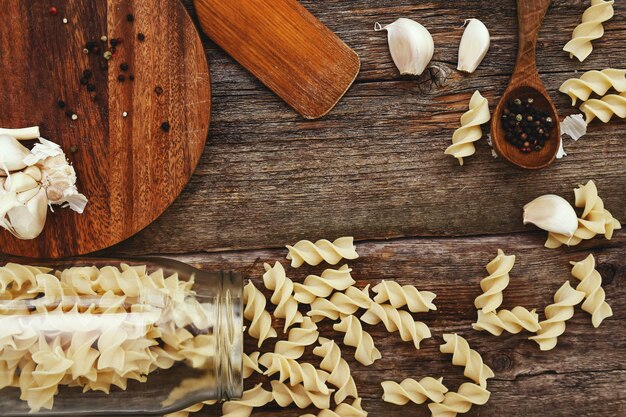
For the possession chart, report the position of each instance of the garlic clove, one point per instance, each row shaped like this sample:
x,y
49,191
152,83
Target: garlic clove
x,y
410,44
28,221
26,133
25,196
474,45
552,213
12,154
33,171
20,182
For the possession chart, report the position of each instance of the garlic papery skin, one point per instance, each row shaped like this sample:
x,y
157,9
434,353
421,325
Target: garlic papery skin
x,y
26,133
410,44
474,45
12,154
552,213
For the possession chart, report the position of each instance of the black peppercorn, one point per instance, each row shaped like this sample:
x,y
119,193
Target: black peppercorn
x,y
115,41
91,88
87,74
141,37
525,127
130,18
165,126
84,81
158,90
124,66
90,45
132,77
121,78
61,104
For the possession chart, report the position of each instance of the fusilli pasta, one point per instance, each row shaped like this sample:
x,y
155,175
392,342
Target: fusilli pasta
x,y
463,355
322,286
366,352
340,304
598,82
260,320
397,321
591,285
605,108
251,364
298,339
323,250
512,321
470,131
495,283
276,280
405,295
252,398
339,369
427,388
342,410
285,395
460,402
589,29
296,373
556,315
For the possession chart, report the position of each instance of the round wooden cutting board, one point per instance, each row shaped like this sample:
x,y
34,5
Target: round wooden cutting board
x,y
130,168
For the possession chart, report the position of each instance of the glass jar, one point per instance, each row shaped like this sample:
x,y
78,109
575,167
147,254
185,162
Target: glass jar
x,y
117,337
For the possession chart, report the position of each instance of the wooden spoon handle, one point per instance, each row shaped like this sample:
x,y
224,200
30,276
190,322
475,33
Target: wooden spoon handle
x,y
530,14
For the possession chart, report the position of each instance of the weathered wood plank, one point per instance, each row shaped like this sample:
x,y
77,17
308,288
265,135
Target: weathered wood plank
x,y
582,376
375,168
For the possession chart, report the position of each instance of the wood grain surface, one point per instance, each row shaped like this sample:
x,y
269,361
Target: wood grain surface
x,y
526,83
285,47
375,168
128,167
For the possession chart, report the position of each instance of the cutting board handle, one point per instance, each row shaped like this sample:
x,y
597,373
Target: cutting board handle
x,y
285,47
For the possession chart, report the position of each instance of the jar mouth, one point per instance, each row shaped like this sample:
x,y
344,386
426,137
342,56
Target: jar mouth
x,y
231,329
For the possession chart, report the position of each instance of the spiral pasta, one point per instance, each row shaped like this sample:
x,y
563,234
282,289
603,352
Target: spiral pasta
x,y
339,370
298,339
461,401
251,364
470,131
251,399
322,286
340,304
418,392
594,220
605,108
260,320
591,285
312,379
598,82
16,279
590,29
342,410
463,355
323,250
495,283
405,295
366,352
397,321
511,321
556,315
298,395
275,279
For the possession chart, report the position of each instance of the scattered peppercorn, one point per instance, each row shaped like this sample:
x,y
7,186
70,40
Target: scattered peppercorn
x,y
87,74
141,37
121,78
132,77
124,66
74,116
130,18
84,81
65,20
53,11
108,55
158,90
125,114
61,104
73,149
86,51
90,45
91,88
116,41
165,126
525,126
113,49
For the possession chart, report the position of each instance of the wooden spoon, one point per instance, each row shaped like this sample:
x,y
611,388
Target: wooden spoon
x,y
525,83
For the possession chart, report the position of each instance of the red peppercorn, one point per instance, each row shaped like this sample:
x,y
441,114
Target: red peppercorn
x,y
53,11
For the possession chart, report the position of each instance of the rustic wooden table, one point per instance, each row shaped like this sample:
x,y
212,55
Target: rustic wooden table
x,y
375,169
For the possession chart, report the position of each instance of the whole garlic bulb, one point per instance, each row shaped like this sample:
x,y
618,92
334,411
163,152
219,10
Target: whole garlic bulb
x,y
410,44
552,213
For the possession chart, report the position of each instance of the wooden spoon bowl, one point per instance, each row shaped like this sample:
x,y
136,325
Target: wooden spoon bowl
x,y
525,83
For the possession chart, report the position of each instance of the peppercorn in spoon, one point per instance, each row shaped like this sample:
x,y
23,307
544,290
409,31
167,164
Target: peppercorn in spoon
x,y
525,126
